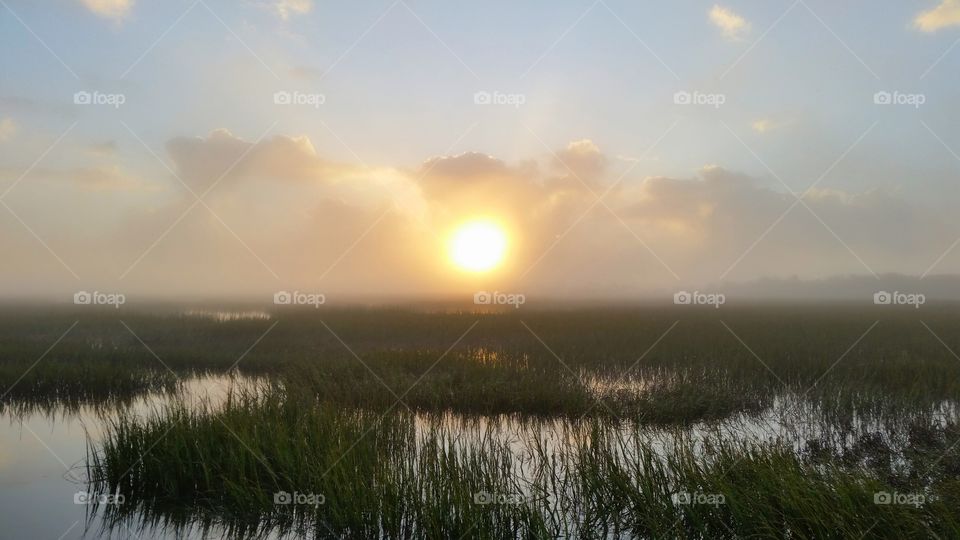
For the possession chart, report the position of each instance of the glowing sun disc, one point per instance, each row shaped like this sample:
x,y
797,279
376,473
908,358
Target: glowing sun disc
x,y
478,246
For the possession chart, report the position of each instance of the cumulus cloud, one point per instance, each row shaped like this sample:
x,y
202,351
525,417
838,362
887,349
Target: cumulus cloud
x,y
732,26
944,15
222,157
707,225
473,184
116,10
583,158
284,216
466,166
478,183
8,128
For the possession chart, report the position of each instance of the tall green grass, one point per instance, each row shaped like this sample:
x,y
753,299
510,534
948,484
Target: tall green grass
x,y
390,477
373,473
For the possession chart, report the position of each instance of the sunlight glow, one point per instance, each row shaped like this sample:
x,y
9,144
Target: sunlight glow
x,y
478,246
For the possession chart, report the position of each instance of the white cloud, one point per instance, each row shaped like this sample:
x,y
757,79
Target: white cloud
x,y
763,125
110,9
733,26
582,158
945,15
287,8
8,128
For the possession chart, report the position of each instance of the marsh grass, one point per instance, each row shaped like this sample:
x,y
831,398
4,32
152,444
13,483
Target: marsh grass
x,y
64,386
537,362
373,473
387,477
611,431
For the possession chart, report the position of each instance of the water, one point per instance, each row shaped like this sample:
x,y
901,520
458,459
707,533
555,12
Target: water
x,y
42,459
42,454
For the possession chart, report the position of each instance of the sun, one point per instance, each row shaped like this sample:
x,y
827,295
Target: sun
x,y
478,246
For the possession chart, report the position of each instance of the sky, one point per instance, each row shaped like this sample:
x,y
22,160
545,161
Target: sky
x,y
233,148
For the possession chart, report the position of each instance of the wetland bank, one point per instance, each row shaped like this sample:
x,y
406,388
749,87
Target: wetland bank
x,y
652,422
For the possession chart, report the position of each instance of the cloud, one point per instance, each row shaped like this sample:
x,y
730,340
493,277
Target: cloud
x,y
583,158
472,180
287,8
470,183
8,128
381,230
763,125
116,10
733,26
467,166
945,15
222,157
706,225
698,226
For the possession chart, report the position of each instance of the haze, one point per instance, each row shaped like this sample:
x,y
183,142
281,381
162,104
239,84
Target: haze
x,y
223,148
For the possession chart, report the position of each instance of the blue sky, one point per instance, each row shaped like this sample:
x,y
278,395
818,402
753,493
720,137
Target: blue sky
x,y
398,80
598,82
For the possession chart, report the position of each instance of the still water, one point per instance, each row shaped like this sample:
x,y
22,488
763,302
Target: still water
x,y
42,472
43,453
